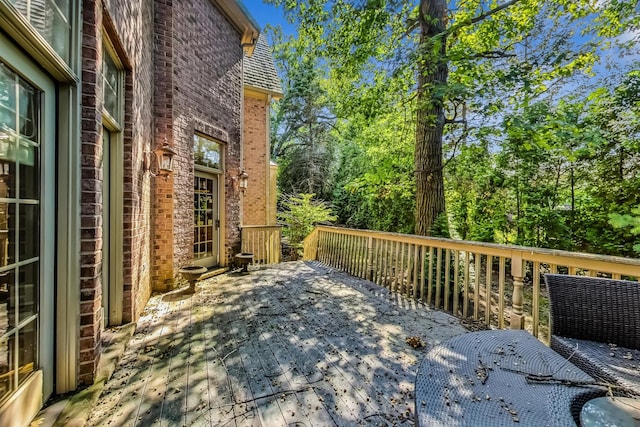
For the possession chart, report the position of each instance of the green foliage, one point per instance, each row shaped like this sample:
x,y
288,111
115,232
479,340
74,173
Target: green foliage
x,y
535,151
300,214
627,220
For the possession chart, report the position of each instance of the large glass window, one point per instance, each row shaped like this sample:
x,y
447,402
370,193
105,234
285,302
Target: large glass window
x,y
52,19
20,139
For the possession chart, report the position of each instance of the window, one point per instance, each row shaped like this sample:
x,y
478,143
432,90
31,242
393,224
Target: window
x,y
52,19
207,152
112,83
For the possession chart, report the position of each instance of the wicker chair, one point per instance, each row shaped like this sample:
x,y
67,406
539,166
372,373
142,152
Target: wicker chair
x,y
595,324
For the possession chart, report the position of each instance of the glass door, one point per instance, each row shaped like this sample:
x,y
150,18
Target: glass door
x,y
206,219
27,176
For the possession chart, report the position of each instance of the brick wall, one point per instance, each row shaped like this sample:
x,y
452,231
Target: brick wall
x,y
162,277
91,215
186,76
256,161
206,77
132,33
135,30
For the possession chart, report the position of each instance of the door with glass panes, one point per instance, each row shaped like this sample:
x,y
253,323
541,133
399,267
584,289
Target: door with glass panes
x,y
27,221
206,225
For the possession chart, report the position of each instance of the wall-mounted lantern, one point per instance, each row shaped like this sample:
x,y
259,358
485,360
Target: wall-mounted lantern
x,y
243,180
240,181
160,161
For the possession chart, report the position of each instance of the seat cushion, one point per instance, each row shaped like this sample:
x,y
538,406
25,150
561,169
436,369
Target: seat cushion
x,y
605,362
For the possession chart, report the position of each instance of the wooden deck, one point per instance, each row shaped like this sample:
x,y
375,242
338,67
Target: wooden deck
x,y
296,344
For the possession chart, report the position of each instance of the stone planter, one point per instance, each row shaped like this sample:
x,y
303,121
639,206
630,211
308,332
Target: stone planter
x,y
192,274
243,260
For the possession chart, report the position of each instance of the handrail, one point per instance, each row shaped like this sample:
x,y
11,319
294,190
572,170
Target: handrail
x,y
483,281
263,241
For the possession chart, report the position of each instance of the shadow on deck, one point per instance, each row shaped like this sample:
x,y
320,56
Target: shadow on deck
x,y
291,344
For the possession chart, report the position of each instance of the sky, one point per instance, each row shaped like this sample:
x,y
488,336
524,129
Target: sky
x,y
267,14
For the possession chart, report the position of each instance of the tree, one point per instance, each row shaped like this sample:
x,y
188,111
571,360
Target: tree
x,y
458,73
303,122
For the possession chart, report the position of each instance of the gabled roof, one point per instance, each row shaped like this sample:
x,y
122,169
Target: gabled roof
x,y
260,71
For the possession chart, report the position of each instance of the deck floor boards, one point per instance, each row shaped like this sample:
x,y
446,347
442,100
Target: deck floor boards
x,y
295,344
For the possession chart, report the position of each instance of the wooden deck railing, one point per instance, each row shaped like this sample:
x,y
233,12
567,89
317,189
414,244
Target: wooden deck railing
x,y
495,284
263,241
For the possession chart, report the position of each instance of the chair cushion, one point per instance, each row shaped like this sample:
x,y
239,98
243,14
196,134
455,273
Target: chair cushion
x,y
605,362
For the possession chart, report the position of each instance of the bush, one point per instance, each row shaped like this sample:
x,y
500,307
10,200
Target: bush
x,y
301,213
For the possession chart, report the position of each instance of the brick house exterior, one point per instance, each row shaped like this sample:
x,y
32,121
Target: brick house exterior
x,y
128,77
261,86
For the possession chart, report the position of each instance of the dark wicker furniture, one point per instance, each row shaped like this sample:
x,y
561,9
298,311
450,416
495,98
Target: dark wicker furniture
x,y
487,379
595,323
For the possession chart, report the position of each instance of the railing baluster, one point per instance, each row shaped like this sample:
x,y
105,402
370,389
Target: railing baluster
x,y
423,253
402,269
430,281
477,264
456,272
414,281
380,273
324,248
501,293
447,278
358,256
390,269
364,262
343,252
572,271
535,304
350,254
438,277
396,266
376,261
467,283
385,268
487,290
326,239
355,254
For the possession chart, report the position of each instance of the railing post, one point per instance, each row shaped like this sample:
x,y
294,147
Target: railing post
x,y
310,246
517,315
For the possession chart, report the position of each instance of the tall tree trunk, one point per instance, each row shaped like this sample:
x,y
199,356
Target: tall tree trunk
x,y
432,75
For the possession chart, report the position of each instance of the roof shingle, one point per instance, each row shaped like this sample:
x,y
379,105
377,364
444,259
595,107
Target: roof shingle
x,y
260,70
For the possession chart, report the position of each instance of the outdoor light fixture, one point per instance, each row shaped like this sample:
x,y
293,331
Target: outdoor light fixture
x,y
241,181
160,161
